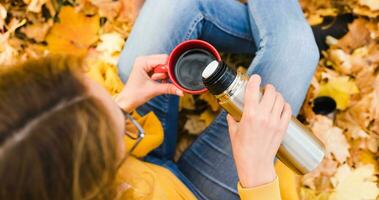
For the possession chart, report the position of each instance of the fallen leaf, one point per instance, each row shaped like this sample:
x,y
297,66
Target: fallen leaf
x,y
37,31
35,5
3,16
353,129
211,100
194,125
332,137
74,33
187,102
185,141
110,47
357,36
372,4
208,116
354,184
106,75
108,8
339,89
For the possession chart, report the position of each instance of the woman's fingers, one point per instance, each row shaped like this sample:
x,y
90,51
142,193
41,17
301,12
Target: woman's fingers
x,y
252,93
166,88
148,63
232,125
285,116
158,76
268,99
278,107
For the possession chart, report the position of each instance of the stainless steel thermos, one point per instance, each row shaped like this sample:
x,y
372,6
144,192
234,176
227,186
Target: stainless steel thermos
x,y
300,150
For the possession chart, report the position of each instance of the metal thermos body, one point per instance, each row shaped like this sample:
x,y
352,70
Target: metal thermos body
x,y
300,149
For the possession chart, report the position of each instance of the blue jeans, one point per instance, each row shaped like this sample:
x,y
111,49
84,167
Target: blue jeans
x,y
286,55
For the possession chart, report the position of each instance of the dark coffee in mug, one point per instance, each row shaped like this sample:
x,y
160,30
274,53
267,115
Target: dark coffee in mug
x,y
189,67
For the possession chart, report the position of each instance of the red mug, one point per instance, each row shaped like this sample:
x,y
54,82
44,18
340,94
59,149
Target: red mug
x,y
176,53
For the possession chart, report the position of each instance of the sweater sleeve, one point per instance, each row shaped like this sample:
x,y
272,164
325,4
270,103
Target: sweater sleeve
x,y
269,191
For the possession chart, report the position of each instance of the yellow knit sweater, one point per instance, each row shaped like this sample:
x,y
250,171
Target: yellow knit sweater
x,y
141,180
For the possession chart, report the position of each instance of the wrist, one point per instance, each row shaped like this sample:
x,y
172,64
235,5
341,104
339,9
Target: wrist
x,y
123,102
258,175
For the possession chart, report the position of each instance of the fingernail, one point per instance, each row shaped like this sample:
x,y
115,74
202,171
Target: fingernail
x,y
179,92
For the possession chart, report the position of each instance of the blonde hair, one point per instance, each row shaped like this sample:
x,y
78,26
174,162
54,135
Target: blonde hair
x,y
56,140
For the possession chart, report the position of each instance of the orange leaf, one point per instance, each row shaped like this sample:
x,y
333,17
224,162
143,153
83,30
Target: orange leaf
x,y
74,34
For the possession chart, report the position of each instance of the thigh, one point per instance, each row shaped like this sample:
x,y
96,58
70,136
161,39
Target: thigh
x,y
209,164
163,24
286,57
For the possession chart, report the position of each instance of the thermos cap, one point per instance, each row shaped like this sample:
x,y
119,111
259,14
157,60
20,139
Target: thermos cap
x,y
217,77
210,69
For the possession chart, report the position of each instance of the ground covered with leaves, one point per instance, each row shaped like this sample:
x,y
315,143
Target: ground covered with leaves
x,y
348,74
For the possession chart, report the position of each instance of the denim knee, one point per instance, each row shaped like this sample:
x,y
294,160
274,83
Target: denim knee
x,y
302,45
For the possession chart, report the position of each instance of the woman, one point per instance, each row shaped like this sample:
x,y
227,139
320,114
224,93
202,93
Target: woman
x,y
286,56
61,134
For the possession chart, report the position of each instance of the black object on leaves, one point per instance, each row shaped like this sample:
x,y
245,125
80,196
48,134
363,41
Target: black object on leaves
x,y
333,26
324,105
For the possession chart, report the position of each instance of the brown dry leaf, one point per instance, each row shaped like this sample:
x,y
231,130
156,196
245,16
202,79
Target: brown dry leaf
x,y
35,5
372,4
107,8
316,10
194,125
365,11
211,100
326,169
341,60
110,47
3,16
38,31
363,111
187,102
332,137
208,116
130,9
365,157
346,121
74,34
357,36
354,184
184,142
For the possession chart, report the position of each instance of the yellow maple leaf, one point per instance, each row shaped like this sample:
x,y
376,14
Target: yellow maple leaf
x,y
106,75
211,100
208,116
340,89
187,102
354,184
74,33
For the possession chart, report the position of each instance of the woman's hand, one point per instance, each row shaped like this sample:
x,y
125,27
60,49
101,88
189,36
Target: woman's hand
x,y
257,137
142,84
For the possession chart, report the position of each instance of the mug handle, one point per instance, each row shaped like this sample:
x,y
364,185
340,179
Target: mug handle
x,y
161,69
